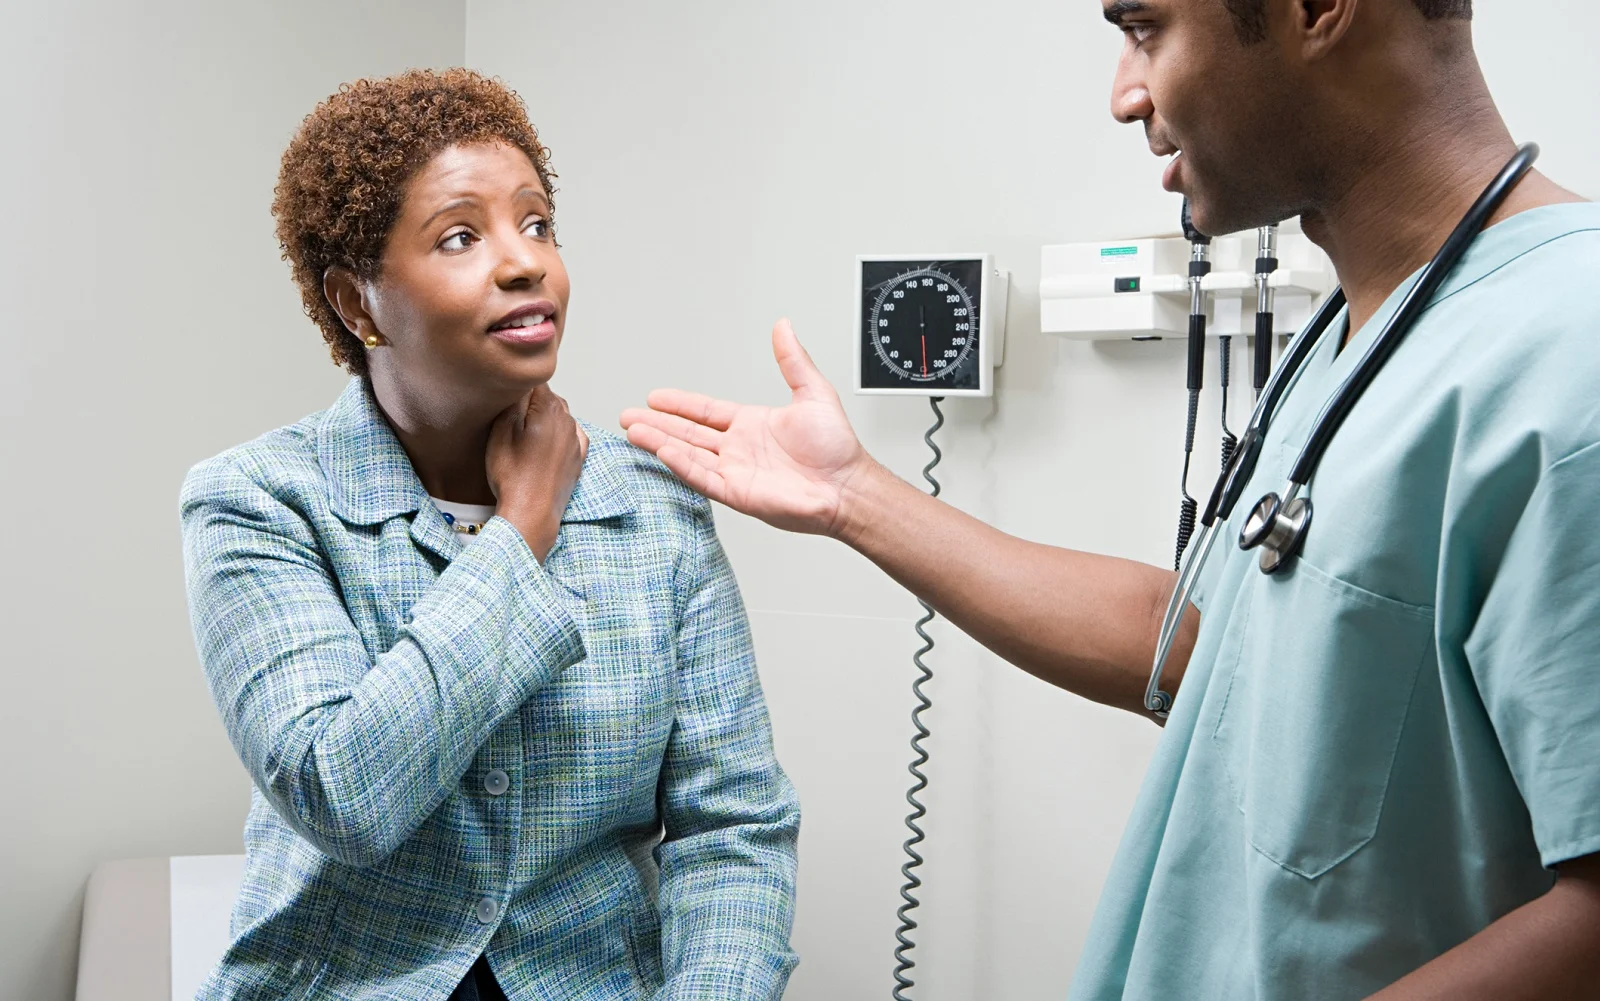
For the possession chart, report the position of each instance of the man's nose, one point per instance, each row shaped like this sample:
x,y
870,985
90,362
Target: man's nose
x,y
1130,97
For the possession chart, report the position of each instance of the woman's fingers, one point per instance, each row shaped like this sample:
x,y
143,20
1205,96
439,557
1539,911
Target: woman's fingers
x,y
715,414
674,426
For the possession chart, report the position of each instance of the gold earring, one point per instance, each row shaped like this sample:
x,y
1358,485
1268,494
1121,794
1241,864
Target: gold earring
x,y
373,340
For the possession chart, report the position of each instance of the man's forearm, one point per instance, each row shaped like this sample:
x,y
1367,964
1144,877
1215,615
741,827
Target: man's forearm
x,y
1082,622
1548,950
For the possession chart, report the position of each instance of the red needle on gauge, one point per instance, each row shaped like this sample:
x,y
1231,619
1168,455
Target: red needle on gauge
x,y
922,315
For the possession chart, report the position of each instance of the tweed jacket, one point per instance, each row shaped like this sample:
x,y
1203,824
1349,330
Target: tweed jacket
x,y
458,751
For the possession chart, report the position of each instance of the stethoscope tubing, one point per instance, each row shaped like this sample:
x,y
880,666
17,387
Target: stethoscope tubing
x,y
1410,309
1230,485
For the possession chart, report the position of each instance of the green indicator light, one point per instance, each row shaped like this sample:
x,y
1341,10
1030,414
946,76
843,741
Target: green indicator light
x,y
1119,251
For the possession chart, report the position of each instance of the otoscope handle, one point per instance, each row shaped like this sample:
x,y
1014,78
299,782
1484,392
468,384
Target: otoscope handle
x,y
1197,351
1263,350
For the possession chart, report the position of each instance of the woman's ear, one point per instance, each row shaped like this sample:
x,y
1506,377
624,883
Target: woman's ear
x,y
346,294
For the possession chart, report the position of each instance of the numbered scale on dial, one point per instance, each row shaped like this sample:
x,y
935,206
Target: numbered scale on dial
x,y
923,329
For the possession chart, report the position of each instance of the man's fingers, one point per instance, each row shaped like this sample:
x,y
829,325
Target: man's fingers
x,y
694,466
799,371
715,414
653,439
677,427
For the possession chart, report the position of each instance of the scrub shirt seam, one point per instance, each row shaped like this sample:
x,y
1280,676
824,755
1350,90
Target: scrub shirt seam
x,y
1508,262
1570,456
1227,696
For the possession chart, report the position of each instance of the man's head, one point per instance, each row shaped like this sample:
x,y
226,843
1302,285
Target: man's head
x,y
1273,103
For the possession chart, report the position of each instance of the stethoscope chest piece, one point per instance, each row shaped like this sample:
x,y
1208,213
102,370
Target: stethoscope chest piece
x,y
1278,528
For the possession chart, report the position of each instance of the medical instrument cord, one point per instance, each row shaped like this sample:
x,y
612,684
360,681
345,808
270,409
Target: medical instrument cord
x,y
1199,267
1266,265
1230,443
903,962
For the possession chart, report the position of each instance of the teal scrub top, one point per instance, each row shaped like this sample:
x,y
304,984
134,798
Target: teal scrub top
x,y
1380,751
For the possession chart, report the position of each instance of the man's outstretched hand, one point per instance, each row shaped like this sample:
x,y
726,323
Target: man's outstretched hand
x,y
788,466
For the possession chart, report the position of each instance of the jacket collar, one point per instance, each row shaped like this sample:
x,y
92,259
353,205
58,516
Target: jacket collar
x,y
370,477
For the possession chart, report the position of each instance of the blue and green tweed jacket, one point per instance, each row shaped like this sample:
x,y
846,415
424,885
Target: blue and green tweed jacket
x,y
457,751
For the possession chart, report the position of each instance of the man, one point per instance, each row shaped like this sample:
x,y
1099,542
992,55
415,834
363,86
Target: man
x,y
1381,776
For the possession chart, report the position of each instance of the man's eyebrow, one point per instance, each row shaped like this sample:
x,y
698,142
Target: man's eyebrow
x,y
1122,8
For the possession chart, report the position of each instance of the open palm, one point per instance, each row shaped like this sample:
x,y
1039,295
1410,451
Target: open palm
x,y
785,465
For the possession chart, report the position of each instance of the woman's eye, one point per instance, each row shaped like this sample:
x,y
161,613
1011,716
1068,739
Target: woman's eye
x,y
537,228
457,241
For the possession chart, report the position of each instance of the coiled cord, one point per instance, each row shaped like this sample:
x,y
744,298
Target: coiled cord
x,y
1189,512
903,962
1230,442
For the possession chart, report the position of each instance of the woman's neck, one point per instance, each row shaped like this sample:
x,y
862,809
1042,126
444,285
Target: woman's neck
x,y
446,445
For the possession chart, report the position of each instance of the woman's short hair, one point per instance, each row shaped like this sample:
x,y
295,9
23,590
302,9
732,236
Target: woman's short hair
x,y
344,174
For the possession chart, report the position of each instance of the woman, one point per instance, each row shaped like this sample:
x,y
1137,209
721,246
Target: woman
x,y
489,670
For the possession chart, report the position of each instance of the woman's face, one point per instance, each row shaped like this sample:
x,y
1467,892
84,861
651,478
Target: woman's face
x,y
472,296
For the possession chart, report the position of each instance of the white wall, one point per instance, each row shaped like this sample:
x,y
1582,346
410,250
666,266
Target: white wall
x,y
147,324
721,165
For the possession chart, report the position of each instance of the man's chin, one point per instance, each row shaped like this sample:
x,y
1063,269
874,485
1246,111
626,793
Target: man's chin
x,y
1223,217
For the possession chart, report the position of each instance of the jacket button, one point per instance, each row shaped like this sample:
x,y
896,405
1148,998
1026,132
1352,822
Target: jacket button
x,y
487,910
496,783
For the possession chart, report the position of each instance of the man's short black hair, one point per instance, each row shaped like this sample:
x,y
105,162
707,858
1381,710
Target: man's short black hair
x,y
1250,16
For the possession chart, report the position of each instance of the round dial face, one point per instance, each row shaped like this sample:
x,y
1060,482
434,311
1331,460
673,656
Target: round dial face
x,y
920,323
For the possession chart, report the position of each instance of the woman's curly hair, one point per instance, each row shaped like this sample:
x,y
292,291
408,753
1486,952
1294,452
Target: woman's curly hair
x,y
344,174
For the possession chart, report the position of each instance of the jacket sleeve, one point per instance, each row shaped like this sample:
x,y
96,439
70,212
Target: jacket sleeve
x,y
731,817
355,752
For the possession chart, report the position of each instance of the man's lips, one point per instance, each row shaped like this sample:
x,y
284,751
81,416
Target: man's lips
x,y
1169,177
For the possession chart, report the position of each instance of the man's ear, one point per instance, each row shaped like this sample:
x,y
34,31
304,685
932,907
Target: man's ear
x,y
1322,24
346,294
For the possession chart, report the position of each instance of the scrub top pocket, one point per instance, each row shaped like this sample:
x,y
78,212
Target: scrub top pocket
x,y
1309,731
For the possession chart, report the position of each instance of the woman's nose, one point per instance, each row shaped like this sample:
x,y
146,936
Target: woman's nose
x,y
520,262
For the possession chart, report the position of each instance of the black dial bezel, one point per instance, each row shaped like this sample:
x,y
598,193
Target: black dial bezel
x,y
879,280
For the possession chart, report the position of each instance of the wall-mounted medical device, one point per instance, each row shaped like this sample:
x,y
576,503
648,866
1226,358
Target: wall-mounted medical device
x,y
1139,289
929,325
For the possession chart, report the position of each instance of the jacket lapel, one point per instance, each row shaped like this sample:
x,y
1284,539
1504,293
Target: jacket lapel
x,y
370,478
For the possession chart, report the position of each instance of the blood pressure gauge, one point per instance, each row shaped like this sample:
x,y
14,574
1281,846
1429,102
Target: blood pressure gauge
x,y
929,326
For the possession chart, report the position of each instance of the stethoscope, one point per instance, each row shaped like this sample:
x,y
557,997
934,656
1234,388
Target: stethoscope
x,y
1278,524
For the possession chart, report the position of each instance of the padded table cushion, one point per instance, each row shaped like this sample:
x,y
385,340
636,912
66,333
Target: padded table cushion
x,y
125,948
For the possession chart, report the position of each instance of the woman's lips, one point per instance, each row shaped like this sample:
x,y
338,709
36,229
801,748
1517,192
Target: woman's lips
x,y
529,325
539,333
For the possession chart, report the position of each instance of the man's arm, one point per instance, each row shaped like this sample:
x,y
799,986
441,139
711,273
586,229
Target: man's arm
x,y
1547,950
1082,622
